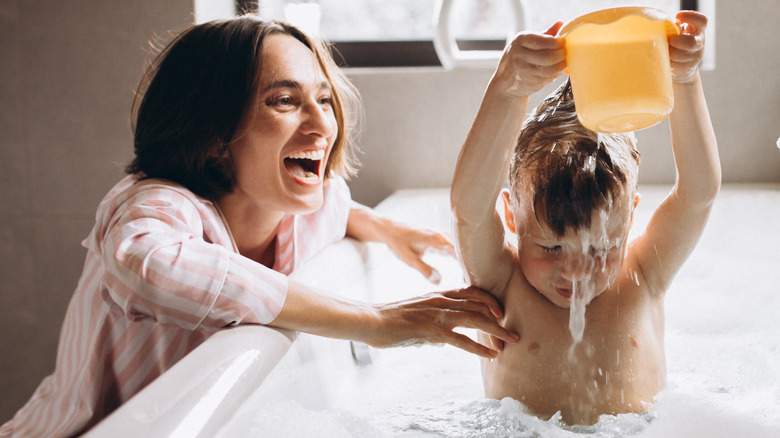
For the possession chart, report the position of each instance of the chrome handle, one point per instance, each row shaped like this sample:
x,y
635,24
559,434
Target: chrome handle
x,y
446,47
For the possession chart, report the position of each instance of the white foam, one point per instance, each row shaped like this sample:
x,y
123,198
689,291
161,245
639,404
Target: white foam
x,y
722,347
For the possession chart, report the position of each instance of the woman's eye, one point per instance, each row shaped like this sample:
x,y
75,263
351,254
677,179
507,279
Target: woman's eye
x,y
326,101
281,101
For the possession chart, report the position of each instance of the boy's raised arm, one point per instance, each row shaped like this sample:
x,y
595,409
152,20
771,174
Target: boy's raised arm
x,y
528,63
679,221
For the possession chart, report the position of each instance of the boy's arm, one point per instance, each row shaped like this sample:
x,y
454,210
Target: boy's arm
x,y
528,63
679,221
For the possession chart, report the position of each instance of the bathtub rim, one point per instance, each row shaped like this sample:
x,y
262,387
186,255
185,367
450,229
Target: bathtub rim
x,y
229,366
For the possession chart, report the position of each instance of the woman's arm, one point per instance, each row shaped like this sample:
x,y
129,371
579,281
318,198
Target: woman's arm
x,y
157,266
427,319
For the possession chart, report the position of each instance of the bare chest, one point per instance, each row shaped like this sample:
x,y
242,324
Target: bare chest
x,y
617,367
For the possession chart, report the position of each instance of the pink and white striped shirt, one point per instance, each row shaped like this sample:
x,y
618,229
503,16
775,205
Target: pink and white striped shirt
x,y
162,274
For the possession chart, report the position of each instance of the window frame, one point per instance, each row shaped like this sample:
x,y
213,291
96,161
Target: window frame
x,y
404,53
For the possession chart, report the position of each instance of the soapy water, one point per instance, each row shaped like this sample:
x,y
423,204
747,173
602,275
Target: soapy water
x,y
722,347
426,392
407,392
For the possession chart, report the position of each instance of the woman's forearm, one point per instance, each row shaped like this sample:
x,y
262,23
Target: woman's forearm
x,y
308,311
426,319
365,225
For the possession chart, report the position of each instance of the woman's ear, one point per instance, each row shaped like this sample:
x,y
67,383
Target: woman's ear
x,y
509,214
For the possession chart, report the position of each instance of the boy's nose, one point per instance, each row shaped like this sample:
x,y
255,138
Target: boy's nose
x,y
577,267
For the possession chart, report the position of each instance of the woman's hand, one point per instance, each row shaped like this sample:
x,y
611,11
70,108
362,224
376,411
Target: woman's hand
x,y
409,244
429,319
432,318
531,61
687,48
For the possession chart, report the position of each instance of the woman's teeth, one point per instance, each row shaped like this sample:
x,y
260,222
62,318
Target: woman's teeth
x,y
305,164
308,155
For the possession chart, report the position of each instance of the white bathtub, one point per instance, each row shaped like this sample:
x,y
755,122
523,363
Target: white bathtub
x,y
722,342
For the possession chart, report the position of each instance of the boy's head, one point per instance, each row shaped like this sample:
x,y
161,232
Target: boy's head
x,y
567,171
573,192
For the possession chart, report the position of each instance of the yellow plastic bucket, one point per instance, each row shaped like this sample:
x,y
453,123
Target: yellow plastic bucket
x,y
618,61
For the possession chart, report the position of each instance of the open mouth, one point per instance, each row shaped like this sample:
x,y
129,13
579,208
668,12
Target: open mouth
x,y
565,293
305,166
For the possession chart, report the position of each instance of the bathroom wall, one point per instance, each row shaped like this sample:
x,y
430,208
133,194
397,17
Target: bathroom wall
x,y
67,75
417,119
68,71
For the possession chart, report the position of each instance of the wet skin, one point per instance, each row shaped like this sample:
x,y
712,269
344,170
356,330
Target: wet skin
x,y
618,366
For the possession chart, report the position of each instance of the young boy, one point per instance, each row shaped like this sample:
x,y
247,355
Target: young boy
x,y
572,194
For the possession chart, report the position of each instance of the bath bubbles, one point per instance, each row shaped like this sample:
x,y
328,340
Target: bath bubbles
x,y
722,359
508,418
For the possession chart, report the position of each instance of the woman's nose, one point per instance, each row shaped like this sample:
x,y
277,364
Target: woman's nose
x,y
318,120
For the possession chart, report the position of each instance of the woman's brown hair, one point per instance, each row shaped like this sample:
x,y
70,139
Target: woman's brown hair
x,y
194,96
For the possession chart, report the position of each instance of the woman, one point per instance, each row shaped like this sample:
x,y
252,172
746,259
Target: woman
x,y
241,143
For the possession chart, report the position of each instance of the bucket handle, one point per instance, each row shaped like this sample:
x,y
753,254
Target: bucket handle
x,y
446,47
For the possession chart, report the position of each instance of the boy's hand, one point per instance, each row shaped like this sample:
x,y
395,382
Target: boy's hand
x,y
687,48
531,61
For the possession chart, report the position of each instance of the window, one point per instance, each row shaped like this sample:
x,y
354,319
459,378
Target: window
x,y
379,33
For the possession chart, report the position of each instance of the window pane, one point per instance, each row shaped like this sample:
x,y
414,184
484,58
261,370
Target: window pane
x,y
399,20
542,14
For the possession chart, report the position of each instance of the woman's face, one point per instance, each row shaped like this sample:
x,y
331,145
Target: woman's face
x,y
287,136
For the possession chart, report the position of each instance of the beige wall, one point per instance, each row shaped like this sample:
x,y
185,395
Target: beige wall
x,y
416,120
68,70
67,75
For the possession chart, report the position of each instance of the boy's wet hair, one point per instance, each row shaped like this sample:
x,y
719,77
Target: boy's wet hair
x,y
570,170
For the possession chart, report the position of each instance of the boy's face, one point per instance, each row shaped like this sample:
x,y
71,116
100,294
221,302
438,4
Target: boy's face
x,y
583,261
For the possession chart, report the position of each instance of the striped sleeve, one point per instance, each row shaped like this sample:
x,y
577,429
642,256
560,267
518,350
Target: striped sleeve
x,y
159,265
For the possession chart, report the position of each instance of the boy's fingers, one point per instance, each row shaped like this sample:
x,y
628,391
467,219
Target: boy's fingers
x,y
691,21
535,41
553,30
